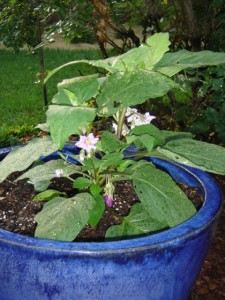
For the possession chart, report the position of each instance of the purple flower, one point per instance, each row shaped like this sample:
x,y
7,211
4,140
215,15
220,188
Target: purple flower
x,y
108,200
87,142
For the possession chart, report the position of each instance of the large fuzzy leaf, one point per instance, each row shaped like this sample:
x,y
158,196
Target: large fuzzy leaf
x,y
161,197
88,64
40,176
138,222
168,135
145,56
21,158
199,154
63,218
66,120
65,97
83,88
131,88
172,63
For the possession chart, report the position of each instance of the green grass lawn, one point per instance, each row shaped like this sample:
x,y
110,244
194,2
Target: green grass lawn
x,y
21,97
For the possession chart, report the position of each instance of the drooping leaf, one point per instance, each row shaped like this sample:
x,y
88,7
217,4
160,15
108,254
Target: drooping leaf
x,y
103,64
63,218
67,120
161,197
172,63
97,211
138,222
41,175
48,195
131,88
21,158
199,154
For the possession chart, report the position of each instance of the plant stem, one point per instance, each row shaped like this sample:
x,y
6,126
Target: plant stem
x,y
120,123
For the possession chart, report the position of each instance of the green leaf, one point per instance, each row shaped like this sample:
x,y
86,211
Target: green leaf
x,y
172,63
159,44
111,159
151,130
48,195
91,163
138,222
110,142
173,135
81,183
104,64
83,88
22,157
161,197
148,141
65,121
97,211
63,98
142,141
62,219
145,56
125,164
41,175
131,88
199,154
95,190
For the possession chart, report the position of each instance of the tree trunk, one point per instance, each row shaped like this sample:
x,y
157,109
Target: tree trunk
x,y
192,24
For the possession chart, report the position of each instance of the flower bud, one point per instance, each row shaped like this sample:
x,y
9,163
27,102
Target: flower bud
x,y
108,200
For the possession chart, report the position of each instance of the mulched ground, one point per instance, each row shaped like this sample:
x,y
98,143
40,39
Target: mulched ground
x,y
211,282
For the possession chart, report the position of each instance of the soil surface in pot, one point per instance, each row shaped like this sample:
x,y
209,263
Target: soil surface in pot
x,y
17,211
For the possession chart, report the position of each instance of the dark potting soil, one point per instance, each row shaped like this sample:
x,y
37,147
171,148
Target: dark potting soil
x,y
17,209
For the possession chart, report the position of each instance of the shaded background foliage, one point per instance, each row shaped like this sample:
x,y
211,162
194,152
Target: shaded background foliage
x,y
193,25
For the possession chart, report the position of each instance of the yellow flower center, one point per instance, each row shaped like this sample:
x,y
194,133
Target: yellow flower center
x,y
87,142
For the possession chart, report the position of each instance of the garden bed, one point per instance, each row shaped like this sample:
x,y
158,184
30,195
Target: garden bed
x,y
211,282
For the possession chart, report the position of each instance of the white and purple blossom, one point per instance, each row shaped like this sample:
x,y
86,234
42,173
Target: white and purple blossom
x,y
125,129
143,119
134,118
87,142
131,114
59,172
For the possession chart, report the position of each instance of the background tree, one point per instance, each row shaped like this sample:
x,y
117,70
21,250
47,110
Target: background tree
x,y
123,24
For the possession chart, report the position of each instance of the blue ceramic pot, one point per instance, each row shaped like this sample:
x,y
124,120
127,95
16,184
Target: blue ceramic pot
x,y
163,266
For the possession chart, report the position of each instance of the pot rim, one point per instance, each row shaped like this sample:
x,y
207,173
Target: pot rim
x,y
208,213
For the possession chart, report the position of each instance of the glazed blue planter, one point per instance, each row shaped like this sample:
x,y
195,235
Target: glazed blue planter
x,y
163,266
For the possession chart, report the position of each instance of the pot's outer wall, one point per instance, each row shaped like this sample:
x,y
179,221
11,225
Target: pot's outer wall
x,y
163,266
